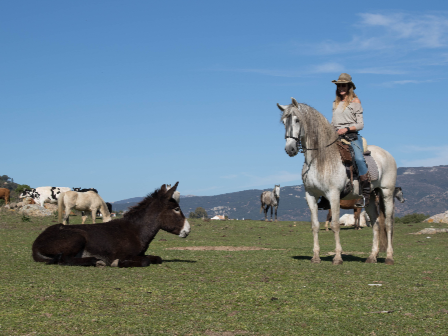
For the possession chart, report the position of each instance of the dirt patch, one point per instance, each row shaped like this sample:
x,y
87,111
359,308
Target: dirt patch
x,y
219,248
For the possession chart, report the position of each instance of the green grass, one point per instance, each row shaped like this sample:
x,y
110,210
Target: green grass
x,y
224,293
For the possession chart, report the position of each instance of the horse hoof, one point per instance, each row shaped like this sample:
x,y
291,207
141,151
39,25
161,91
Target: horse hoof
x,y
337,262
266,220
370,261
389,261
100,263
115,263
315,261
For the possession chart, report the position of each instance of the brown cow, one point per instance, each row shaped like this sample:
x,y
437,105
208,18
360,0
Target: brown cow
x,y
4,193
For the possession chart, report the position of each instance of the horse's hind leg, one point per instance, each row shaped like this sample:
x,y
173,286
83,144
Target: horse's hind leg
x,y
66,219
93,216
372,211
335,226
139,261
387,208
266,213
272,209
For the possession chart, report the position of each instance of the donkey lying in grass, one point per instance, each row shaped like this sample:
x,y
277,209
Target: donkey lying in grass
x,y
120,242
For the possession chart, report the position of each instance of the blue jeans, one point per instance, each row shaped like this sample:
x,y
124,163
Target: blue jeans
x,y
359,157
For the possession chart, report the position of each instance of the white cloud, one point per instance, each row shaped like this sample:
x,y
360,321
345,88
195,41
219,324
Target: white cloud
x,y
439,156
406,81
329,67
280,177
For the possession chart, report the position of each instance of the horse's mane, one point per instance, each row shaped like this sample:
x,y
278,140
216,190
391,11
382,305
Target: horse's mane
x,y
320,135
139,209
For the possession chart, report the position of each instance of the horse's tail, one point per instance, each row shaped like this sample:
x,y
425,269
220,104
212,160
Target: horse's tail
x,y
382,223
60,206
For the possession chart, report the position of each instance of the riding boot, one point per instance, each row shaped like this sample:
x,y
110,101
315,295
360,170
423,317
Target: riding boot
x,y
323,204
364,181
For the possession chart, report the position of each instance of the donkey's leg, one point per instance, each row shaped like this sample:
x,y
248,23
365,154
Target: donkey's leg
x,y
312,204
388,203
328,219
335,212
139,261
372,211
356,215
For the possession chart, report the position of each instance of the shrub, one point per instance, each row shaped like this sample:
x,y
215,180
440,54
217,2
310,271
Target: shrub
x,y
411,218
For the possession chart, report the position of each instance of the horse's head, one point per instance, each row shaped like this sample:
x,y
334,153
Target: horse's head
x,y
292,126
277,191
171,217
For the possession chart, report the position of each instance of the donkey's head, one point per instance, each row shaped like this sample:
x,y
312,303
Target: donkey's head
x,y
171,217
290,118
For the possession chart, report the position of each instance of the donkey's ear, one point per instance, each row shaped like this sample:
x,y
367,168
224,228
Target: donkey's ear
x,y
294,102
171,191
282,107
163,188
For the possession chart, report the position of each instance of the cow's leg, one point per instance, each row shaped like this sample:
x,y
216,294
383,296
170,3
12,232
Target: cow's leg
x,y
328,220
138,261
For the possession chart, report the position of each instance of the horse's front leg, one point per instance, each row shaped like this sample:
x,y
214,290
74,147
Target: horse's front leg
x,y
276,213
312,204
335,212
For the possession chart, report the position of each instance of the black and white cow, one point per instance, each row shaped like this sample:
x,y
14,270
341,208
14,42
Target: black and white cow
x,y
43,194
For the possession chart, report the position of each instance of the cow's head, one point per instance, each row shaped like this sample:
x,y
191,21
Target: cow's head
x,y
26,193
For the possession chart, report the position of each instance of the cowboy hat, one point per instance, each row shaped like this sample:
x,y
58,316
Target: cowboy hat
x,y
344,78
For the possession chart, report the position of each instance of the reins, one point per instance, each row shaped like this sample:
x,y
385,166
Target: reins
x,y
303,149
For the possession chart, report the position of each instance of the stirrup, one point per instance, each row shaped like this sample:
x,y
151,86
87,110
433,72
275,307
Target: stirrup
x,y
359,204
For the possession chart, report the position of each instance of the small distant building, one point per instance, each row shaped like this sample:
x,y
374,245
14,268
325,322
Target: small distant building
x,y
218,217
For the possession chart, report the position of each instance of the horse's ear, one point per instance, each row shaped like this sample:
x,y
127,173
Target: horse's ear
x,y
282,107
171,191
294,102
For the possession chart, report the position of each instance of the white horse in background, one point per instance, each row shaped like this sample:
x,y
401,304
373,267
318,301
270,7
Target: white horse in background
x,y
83,201
270,199
176,194
324,174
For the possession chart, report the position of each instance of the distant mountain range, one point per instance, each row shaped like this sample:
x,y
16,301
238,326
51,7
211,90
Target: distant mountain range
x,y
424,188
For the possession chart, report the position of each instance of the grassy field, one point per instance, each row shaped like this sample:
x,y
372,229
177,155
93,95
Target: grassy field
x,y
270,289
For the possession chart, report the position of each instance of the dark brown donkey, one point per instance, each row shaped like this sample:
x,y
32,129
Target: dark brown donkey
x,y
120,242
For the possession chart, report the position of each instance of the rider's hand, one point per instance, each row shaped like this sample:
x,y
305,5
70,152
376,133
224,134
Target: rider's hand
x,y
342,131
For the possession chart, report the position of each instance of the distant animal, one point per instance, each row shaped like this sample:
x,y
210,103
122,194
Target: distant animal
x,y
84,201
83,214
349,219
347,205
176,194
270,199
324,174
398,194
4,193
44,194
85,189
121,242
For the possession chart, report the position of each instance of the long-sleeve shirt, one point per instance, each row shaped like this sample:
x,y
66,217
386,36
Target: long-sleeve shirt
x,y
350,116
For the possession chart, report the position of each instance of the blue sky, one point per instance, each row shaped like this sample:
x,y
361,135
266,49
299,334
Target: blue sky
x,y
125,96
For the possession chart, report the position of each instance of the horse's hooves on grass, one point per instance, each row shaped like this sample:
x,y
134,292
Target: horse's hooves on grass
x,y
100,263
337,262
370,261
115,263
315,261
389,261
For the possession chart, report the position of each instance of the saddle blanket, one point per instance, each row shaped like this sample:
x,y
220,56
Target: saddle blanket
x,y
372,166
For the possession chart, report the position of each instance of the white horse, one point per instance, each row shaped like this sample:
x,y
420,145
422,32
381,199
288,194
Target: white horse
x,y
83,201
270,199
324,174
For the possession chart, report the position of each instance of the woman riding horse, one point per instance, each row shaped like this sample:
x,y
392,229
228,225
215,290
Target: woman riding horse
x,y
348,121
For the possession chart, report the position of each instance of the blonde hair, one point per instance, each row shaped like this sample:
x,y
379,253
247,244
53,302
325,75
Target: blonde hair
x,y
348,99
